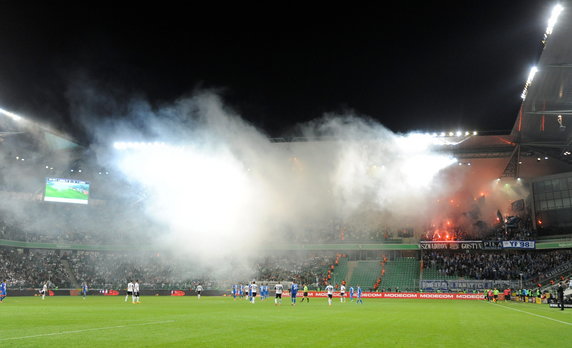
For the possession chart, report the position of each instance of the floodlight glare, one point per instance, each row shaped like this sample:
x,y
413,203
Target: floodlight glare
x,y
10,114
553,18
531,74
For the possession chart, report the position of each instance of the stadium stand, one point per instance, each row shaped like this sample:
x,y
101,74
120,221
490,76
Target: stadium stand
x,y
401,274
510,265
365,273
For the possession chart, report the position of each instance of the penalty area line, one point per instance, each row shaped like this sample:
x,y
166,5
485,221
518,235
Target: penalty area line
x,y
537,315
85,330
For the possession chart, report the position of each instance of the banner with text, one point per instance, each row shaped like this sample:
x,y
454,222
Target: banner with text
x,y
403,295
519,244
477,245
460,284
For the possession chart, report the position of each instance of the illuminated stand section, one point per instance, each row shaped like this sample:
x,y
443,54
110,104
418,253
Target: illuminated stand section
x,y
66,191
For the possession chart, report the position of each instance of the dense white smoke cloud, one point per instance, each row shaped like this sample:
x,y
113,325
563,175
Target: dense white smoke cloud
x,y
221,187
219,192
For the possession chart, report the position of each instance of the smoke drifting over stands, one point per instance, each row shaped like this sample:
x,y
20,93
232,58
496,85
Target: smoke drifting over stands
x,y
194,179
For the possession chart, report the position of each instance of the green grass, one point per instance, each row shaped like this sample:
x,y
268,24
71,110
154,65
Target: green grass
x,y
102,321
67,193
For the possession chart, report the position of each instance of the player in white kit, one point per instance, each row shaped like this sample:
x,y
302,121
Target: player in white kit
x,y
254,288
330,290
199,290
279,288
342,293
136,292
129,291
44,290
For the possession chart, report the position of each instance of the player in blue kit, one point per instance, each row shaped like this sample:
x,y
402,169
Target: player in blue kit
x,y
262,292
359,295
351,293
293,292
234,291
3,291
84,289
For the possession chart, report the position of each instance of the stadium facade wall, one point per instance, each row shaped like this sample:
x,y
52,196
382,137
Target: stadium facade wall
x,y
307,247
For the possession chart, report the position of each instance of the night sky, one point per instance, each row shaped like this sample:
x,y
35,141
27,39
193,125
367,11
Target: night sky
x,y
418,66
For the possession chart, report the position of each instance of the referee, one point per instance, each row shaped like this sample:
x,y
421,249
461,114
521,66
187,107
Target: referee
x,y
560,291
305,294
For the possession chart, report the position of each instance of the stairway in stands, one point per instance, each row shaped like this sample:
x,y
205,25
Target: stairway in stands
x,y
66,265
351,267
365,274
341,271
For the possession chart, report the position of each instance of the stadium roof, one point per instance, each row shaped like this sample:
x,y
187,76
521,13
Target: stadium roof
x,y
544,122
16,129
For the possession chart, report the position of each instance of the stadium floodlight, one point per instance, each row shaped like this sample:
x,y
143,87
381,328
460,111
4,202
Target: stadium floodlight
x,y
552,20
531,74
12,115
474,132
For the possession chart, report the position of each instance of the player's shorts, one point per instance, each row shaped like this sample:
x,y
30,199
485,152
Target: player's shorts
x,y
42,292
129,293
136,293
198,292
496,296
305,294
278,295
330,295
253,294
342,294
294,294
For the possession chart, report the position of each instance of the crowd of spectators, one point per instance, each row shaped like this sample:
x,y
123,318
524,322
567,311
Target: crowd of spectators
x,y
493,265
31,268
304,270
115,269
514,228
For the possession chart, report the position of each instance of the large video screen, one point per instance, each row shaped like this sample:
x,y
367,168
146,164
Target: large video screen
x,y
66,191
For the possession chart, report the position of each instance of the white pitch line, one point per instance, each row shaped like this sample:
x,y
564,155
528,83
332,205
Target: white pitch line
x,y
85,330
537,315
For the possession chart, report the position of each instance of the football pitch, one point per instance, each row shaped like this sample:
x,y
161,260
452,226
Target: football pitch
x,y
108,321
65,193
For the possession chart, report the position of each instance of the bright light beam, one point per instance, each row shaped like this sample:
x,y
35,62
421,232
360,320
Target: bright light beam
x,y
12,115
531,74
